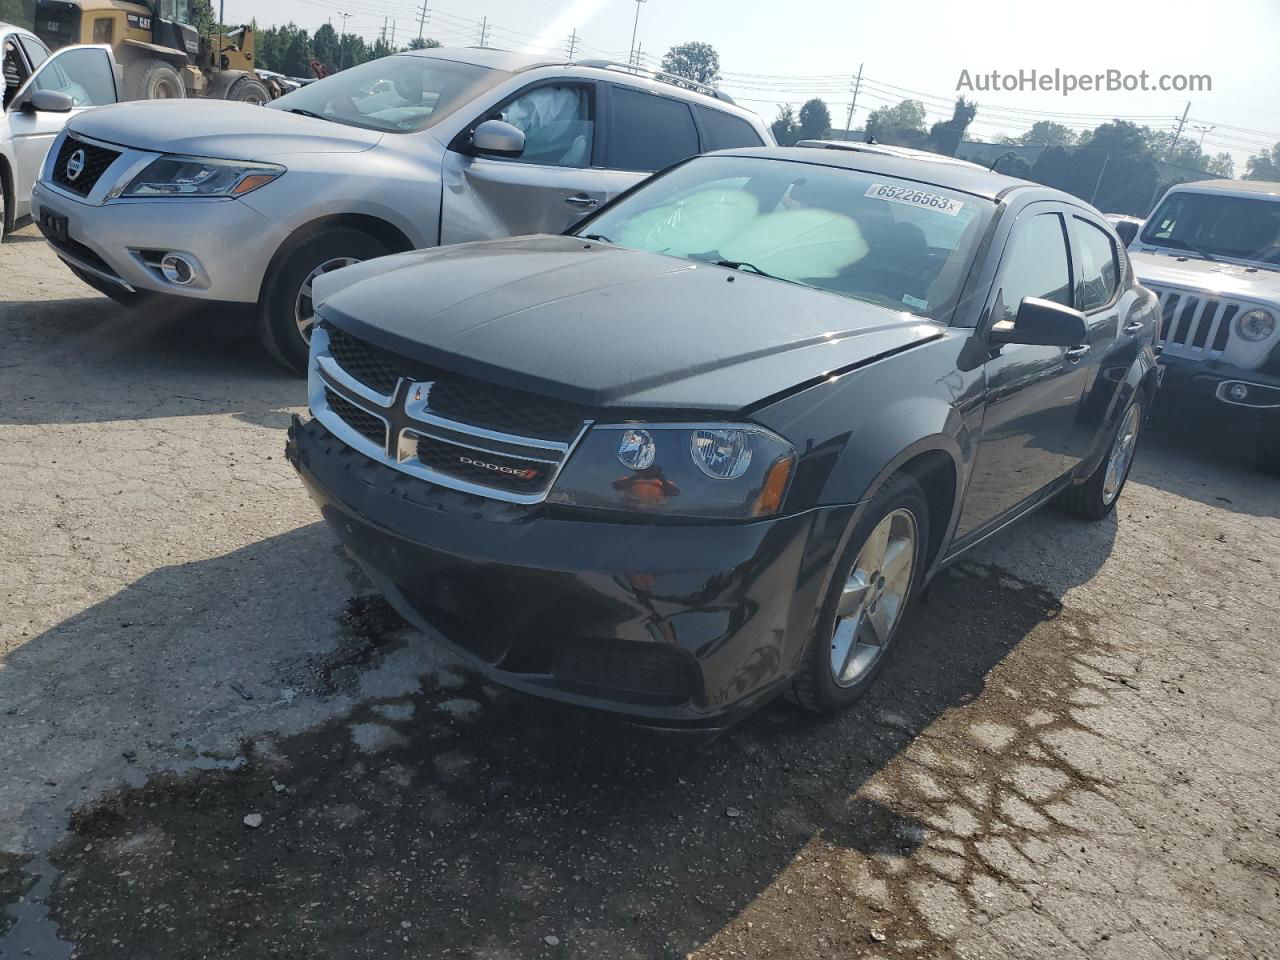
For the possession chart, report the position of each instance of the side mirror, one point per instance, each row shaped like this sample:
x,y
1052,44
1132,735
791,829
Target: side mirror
x,y
1042,323
1127,230
499,138
49,101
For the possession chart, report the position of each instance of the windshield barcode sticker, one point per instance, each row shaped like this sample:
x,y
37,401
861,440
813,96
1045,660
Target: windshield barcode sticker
x,y
915,198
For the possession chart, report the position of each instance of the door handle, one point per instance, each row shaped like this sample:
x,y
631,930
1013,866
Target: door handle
x,y
1076,354
1135,327
581,200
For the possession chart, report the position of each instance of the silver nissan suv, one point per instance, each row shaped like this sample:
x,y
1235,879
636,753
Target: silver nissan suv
x,y
230,205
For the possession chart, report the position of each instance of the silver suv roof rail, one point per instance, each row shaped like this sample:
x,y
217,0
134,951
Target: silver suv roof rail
x,y
670,78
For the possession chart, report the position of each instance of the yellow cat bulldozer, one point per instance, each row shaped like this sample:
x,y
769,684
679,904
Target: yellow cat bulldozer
x,y
160,51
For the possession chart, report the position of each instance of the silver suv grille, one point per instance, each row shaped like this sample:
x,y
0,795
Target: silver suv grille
x,y
1193,324
438,426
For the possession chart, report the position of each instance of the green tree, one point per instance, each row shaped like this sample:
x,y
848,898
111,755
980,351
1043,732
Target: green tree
x,y
296,53
785,129
379,49
19,12
423,43
815,120
325,44
1264,166
1222,165
696,61
946,136
1046,133
902,124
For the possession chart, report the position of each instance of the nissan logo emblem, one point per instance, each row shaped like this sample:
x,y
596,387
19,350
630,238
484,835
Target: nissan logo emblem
x,y
75,165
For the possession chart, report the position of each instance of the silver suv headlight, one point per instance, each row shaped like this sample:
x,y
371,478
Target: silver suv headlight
x,y
723,471
178,176
1255,325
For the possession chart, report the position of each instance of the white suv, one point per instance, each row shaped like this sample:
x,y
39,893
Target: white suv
x,y
231,204
1211,252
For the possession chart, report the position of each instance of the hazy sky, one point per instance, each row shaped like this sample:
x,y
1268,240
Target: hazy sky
x,y
792,50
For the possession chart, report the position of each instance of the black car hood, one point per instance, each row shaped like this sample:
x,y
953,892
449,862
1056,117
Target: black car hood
x,y
607,327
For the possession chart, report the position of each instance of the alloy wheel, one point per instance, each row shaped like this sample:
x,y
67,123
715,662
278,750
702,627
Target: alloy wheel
x,y
1122,450
873,596
304,311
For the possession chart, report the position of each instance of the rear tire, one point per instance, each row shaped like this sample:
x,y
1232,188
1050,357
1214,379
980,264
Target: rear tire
x,y
901,510
153,80
249,90
1098,496
285,308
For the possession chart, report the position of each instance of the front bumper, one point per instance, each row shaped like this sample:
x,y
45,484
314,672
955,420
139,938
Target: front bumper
x,y
673,625
229,242
1219,384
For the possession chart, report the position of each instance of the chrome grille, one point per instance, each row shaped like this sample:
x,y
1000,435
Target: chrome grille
x,y
451,431
92,167
1194,324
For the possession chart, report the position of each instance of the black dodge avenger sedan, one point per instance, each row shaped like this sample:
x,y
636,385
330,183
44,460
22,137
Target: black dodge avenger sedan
x,y
710,446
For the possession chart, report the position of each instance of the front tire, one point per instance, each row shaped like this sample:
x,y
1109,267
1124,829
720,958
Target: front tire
x,y
249,90
286,311
153,80
874,584
1097,496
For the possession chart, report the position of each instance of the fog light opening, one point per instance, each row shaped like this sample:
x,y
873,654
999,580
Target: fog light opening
x,y
177,269
1238,392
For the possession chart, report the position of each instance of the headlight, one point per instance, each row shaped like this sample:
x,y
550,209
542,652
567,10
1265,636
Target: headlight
x,y
1256,325
173,176
716,471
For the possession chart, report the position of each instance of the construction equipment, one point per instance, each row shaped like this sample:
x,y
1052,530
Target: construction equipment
x,y
161,53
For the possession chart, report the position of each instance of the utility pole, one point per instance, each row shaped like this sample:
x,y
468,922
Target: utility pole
x,y
1204,128
1177,134
857,85
382,37
573,43
393,34
1097,184
422,18
634,30
484,29
345,17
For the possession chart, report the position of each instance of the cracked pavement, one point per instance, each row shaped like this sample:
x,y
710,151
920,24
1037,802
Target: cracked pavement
x,y
1072,754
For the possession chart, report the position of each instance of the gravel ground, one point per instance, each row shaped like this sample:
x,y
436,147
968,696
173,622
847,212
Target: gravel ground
x,y
216,742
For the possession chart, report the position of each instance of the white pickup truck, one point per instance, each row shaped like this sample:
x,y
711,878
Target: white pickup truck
x,y
1211,252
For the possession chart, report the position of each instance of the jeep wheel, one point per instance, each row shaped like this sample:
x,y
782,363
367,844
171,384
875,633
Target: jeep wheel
x,y
153,80
1097,496
286,311
873,586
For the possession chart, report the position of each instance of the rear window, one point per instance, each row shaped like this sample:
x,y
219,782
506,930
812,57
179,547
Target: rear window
x,y
724,132
648,132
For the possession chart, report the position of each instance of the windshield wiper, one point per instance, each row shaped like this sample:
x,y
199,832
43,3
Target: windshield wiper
x,y
596,236
306,113
744,265
1188,245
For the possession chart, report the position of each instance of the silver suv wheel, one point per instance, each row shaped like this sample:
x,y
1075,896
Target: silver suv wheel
x,y
1122,449
304,310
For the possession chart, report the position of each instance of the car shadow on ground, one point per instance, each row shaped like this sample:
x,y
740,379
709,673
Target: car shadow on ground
x,y
1207,455
136,364
465,820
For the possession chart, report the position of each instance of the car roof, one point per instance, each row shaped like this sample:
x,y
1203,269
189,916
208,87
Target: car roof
x,y
513,62
964,177
885,149
1269,187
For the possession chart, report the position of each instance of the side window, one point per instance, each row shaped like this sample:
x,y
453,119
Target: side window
x,y
648,132
1099,273
721,131
1036,264
85,74
557,122
37,52
12,68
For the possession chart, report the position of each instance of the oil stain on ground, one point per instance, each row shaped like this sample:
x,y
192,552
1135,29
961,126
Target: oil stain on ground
x,y
471,822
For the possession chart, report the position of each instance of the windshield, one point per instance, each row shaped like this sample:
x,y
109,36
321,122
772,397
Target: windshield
x,y
399,94
861,235
1236,228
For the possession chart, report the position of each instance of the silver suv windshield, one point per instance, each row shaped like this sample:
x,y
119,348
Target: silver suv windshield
x,y
867,236
398,94
1217,226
